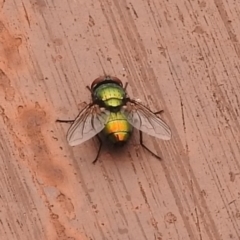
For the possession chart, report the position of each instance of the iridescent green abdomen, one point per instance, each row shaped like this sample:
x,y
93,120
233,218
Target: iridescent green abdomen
x,y
117,128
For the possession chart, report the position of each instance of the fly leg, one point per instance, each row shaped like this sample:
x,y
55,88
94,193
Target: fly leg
x,y
159,112
141,139
65,121
125,87
99,149
89,88
99,139
142,144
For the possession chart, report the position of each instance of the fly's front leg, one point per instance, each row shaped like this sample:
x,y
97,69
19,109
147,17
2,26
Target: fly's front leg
x,y
89,88
99,149
142,144
125,87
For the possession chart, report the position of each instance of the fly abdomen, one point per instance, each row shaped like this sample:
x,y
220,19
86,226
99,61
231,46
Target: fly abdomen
x,y
119,138
117,129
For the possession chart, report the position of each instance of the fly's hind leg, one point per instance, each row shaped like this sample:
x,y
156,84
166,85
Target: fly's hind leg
x,y
141,139
99,149
65,121
145,147
99,139
159,112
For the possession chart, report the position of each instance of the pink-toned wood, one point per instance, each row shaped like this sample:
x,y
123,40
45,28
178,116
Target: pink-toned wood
x,y
181,56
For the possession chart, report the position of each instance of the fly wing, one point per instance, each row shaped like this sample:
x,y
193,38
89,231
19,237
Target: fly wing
x,y
90,121
145,120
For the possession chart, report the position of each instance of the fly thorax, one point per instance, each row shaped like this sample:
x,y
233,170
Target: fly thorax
x,y
113,102
111,94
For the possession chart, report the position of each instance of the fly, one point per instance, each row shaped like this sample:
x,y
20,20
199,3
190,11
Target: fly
x,y
114,114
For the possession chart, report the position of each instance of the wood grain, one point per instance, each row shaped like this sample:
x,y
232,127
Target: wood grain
x,y
181,56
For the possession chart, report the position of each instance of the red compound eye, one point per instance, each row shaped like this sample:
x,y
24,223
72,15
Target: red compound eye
x,y
117,80
106,78
97,81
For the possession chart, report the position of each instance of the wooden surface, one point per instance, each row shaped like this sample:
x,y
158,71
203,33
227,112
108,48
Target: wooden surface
x,y
181,56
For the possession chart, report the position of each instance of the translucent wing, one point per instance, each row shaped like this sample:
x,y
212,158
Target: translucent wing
x,y
145,120
90,121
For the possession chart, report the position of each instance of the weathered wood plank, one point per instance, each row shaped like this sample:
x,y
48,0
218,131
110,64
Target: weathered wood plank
x,y
180,56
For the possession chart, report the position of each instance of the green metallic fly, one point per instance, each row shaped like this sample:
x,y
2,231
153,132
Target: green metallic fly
x,y
114,114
